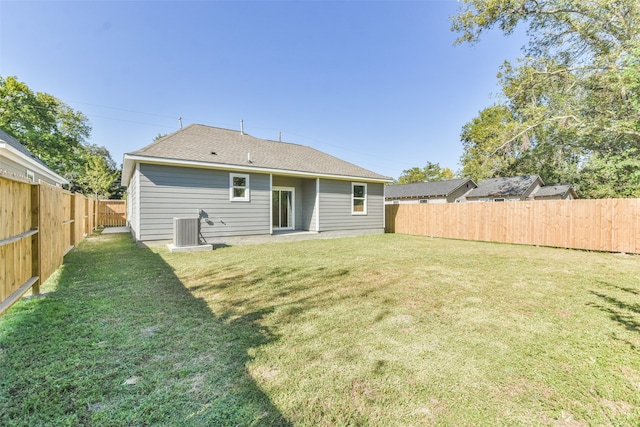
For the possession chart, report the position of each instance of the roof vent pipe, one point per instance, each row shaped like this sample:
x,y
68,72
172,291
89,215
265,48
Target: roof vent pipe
x,y
280,136
241,127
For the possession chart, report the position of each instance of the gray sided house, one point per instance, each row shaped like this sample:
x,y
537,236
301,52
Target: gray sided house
x,y
17,161
448,191
505,189
240,185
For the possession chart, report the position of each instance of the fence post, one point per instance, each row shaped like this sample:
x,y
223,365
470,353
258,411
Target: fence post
x,y
72,217
86,218
35,239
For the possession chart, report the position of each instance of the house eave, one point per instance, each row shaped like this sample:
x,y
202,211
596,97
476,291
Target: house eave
x,y
436,196
131,159
463,184
465,181
17,156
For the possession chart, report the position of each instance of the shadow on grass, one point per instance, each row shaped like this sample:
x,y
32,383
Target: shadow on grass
x,y
122,342
291,290
623,313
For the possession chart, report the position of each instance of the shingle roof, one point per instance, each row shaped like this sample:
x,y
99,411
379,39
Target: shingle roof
x,y
507,186
424,189
210,145
555,190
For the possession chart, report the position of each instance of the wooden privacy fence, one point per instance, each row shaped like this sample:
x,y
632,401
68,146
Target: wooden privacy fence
x,y
112,213
602,225
39,224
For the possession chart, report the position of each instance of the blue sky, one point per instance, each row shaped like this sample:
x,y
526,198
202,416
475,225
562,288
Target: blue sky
x,y
377,83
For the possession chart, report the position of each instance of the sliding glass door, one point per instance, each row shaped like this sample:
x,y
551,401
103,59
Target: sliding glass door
x,y
282,215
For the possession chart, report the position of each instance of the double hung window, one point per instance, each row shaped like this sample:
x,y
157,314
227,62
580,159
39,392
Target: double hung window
x,y
239,187
358,198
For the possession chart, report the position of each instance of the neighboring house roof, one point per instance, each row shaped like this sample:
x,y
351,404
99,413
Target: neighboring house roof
x,y
504,187
552,191
425,189
17,152
206,146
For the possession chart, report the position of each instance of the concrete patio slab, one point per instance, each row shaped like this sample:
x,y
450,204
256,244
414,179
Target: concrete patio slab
x,y
290,236
198,248
115,230
281,236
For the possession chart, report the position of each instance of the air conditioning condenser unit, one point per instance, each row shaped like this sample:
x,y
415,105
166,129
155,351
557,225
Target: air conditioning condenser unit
x,y
186,231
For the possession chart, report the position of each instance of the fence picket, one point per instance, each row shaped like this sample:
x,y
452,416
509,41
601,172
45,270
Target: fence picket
x,y
604,225
112,213
38,224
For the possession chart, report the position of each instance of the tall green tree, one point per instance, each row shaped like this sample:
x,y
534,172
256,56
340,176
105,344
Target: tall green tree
x,y
98,177
430,172
571,100
45,125
56,133
612,175
485,153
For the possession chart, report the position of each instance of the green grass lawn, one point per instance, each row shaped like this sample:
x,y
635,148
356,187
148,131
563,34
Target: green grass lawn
x,y
384,330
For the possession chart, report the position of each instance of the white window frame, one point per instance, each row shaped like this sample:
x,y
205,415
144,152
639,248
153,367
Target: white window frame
x,y
31,176
354,198
246,188
292,214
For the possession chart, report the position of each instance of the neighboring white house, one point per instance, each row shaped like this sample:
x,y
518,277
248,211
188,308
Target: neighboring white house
x,y
447,191
16,160
239,185
556,192
505,189
527,187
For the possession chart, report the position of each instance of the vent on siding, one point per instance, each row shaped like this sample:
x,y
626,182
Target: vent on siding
x,y
186,231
